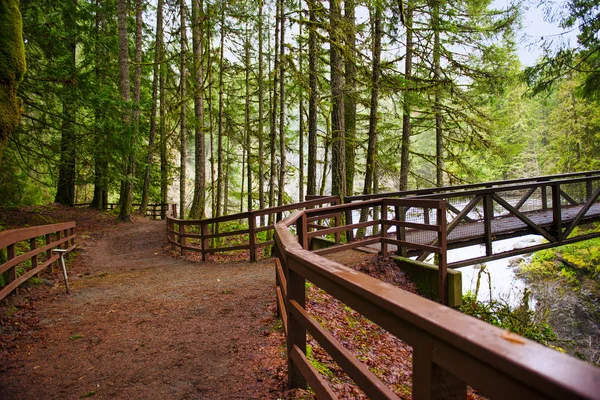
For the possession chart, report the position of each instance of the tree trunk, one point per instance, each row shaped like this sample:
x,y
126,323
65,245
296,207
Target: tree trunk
x,y
338,153
183,130
100,163
313,82
300,109
261,145
407,106
439,143
247,121
11,43
158,59
199,202
282,162
372,146
125,196
220,122
274,103
350,94
65,193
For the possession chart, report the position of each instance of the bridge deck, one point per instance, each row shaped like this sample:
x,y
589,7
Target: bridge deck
x,y
502,227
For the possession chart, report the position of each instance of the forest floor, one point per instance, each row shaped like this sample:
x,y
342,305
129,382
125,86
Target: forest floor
x,y
140,323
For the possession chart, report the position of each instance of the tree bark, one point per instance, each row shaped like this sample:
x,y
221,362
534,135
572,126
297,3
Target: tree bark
x,y
158,58
282,150
350,94
439,140
100,163
338,152
65,193
407,106
220,122
274,103
313,82
199,202
11,69
247,122
300,108
125,196
372,146
183,127
261,148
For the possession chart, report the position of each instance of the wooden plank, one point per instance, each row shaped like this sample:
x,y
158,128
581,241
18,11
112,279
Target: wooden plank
x,y
413,225
282,311
347,246
355,369
591,200
410,245
569,199
13,261
296,337
525,197
19,235
431,382
523,218
488,214
226,234
317,383
225,249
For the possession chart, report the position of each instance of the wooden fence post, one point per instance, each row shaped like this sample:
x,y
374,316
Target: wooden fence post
x,y
350,232
487,223
34,259
337,224
66,244
383,233
252,236
556,212
544,197
302,230
182,239
204,241
11,272
429,381
49,252
296,333
442,259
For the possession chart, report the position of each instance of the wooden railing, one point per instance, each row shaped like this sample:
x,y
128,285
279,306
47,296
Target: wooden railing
x,y
35,244
450,349
549,206
154,211
203,236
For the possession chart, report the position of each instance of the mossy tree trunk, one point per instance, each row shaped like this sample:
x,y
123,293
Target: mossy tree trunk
x,y
12,67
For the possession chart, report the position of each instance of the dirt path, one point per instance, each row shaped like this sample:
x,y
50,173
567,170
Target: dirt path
x,y
142,324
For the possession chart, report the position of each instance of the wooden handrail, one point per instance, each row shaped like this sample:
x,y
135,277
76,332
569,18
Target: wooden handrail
x,y
178,237
64,237
450,349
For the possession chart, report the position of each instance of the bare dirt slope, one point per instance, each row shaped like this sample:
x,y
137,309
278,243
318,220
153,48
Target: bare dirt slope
x,y
142,324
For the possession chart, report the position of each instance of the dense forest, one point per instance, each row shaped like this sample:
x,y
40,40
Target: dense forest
x,y
223,106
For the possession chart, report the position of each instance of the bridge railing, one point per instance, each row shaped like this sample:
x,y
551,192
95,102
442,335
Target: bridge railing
x,y
249,231
450,349
550,207
29,251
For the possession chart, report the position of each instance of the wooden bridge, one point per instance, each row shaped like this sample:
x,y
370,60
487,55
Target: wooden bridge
x,y
558,208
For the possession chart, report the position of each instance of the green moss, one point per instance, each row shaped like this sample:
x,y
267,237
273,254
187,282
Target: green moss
x,y
12,66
